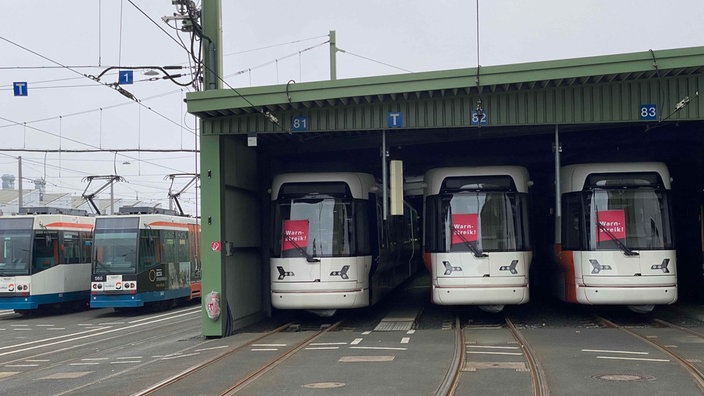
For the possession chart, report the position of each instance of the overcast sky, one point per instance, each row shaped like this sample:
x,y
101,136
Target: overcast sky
x,y
264,42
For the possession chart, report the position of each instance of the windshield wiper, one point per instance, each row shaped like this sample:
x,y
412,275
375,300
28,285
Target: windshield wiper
x,y
626,250
107,270
309,258
474,249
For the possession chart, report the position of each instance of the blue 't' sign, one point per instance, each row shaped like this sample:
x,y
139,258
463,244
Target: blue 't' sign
x,y
20,88
394,120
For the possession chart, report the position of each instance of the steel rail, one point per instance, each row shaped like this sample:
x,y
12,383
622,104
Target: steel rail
x,y
689,367
193,369
674,326
253,376
449,382
537,375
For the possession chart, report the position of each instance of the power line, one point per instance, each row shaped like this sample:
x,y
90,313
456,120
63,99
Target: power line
x,y
50,67
159,26
96,149
373,60
275,60
275,45
191,130
115,87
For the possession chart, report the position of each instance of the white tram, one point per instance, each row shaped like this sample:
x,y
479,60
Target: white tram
x,y
476,241
331,248
46,255
614,242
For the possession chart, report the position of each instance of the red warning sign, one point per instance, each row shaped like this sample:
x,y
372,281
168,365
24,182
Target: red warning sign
x,y
464,227
215,246
613,222
295,234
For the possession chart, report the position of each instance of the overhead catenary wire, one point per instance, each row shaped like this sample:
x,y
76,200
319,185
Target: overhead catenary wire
x,y
275,45
115,87
373,60
157,25
96,149
182,126
249,69
100,109
80,174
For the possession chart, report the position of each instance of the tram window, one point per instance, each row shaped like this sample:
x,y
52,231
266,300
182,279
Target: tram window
x,y
572,222
433,230
86,239
147,249
71,247
45,252
361,227
167,247
181,247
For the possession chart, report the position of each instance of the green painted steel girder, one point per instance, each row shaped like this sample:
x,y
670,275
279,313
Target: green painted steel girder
x,y
602,89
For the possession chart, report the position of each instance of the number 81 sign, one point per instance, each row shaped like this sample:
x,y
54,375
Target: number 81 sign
x,y
299,124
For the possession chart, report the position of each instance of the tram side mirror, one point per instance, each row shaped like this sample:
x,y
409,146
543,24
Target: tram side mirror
x,y
48,240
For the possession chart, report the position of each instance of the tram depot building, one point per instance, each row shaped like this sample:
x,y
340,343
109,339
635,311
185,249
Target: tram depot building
x,y
641,106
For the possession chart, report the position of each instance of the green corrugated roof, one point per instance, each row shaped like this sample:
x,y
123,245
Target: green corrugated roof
x,y
504,78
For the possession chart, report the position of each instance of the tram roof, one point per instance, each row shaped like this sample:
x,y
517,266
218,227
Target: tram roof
x,y
493,79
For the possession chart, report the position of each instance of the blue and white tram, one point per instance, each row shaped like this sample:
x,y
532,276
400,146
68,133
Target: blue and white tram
x,y
46,255
331,247
477,242
614,241
145,256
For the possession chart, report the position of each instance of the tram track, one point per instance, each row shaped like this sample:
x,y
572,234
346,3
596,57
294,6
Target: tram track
x,y
537,375
168,385
693,370
449,384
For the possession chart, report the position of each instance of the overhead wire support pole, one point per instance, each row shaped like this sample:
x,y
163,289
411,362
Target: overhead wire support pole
x,y
333,56
384,175
558,198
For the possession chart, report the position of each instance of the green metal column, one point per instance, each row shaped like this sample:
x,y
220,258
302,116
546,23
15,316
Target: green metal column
x,y
212,191
211,231
211,17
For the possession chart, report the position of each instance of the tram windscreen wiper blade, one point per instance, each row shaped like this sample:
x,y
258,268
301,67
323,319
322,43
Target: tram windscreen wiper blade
x,y
626,250
308,257
474,249
100,264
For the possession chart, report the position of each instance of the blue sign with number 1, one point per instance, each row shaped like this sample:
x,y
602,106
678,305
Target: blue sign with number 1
x,y
125,77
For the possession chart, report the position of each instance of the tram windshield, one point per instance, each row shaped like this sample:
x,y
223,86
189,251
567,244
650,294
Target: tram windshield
x,y
477,222
115,245
16,236
320,226
611,219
